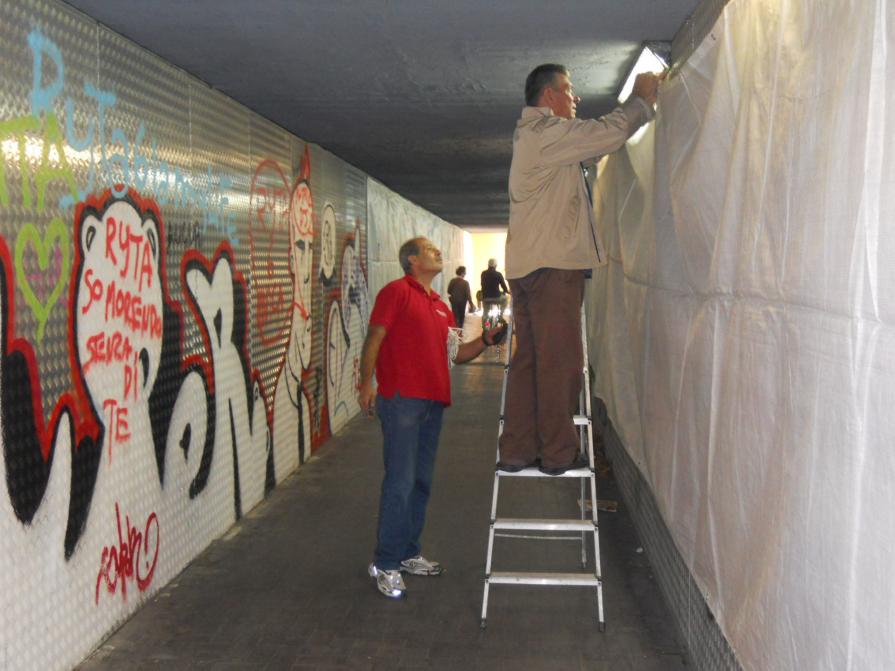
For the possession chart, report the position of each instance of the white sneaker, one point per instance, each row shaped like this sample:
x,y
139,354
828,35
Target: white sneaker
x,y
390,583
419,565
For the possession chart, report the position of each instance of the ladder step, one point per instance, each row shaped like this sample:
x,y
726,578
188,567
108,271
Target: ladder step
x,y
532,578
579,420
533,472
543,525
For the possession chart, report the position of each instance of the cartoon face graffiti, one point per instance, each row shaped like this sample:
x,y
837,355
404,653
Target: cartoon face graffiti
x,y
118,311
301,256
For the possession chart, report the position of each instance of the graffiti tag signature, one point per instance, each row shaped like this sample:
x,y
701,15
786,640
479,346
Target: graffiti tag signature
x,y
131,558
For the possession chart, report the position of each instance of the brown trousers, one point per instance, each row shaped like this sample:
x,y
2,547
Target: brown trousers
x,y
544,381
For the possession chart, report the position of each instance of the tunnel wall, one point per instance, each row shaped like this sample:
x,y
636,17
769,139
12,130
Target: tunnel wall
x,y
407,220
184,291
742,332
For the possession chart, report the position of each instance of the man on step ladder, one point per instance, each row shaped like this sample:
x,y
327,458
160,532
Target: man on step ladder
x,y
551,243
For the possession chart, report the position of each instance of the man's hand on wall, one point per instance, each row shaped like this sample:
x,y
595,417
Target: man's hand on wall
x,y
646,86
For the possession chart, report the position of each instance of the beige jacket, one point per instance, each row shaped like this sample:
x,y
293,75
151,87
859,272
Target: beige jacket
x,y
552,221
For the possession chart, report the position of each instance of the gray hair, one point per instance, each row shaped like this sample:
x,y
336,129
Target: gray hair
x,y
539,79
408,249
492,263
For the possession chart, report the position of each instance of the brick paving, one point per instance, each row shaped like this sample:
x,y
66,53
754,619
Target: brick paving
x,y
287,587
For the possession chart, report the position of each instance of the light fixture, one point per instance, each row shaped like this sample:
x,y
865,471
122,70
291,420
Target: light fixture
x,y
648,61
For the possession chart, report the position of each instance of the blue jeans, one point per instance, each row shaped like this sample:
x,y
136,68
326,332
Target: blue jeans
x,y
410,428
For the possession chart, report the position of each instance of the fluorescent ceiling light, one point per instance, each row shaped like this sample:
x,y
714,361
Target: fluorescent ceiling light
x,y
648,61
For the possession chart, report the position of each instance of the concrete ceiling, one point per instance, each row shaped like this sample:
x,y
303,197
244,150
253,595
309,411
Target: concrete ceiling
x,y
421,95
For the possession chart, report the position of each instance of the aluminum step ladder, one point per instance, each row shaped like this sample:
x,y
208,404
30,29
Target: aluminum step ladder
x,y
584,526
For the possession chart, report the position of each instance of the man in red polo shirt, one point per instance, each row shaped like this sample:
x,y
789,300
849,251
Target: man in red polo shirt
x,y
408,345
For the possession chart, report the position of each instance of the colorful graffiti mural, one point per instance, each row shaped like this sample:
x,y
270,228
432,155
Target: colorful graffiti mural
x,y
125,338
99,489
138,294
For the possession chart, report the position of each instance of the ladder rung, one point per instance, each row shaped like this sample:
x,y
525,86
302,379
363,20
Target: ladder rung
x,y
533,472
532,578
543,525
579,420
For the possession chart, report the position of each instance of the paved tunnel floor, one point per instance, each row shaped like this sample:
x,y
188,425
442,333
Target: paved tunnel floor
x,y
287,588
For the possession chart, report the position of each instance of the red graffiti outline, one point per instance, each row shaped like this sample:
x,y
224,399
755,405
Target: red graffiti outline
x,y
46,438
304,177
98,204
266,232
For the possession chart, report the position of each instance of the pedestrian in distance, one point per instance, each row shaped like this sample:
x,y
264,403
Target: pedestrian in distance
x,y
494,286
494,293
460,296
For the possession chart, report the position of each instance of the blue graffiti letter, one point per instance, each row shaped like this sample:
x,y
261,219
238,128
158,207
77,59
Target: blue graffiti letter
x,y
42,97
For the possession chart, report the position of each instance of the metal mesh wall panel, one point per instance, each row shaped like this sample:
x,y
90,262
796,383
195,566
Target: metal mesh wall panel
x,y
341,294
49,147
268,240
270,218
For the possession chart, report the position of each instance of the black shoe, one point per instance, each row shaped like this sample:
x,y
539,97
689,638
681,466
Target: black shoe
x,y
578,462
515,468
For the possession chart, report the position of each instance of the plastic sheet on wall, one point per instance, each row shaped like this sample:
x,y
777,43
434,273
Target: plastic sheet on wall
x,y
742,332
393,220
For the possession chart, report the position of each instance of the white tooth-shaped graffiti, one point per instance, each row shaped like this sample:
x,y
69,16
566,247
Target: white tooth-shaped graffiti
x,y
118,317
241,430
186,437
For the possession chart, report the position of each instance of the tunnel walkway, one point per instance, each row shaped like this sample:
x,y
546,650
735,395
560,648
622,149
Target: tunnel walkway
x,y
287,587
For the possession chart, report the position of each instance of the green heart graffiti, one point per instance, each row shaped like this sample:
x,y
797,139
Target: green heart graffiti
x,y
56,235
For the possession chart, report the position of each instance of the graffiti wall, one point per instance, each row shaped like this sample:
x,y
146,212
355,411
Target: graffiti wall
x,y
184,293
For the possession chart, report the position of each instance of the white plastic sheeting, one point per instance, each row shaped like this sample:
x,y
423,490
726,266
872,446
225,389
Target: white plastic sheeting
x,y
742,333
391,221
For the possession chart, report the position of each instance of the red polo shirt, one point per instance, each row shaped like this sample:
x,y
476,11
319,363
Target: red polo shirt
x,y
413,357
